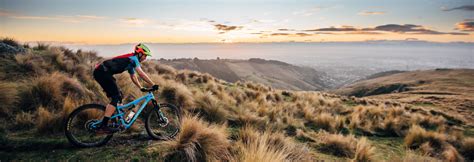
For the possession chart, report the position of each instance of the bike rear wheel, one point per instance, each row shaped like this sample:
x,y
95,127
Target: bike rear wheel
x,y
81,123
157,128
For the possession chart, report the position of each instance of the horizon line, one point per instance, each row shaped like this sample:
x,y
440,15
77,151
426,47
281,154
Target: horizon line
x,y
309,42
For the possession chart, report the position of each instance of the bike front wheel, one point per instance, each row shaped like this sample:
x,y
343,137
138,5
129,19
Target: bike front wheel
x,y
81,124
163,123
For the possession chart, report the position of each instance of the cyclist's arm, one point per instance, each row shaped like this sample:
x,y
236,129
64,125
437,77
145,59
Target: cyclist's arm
x,y
144,76
135,80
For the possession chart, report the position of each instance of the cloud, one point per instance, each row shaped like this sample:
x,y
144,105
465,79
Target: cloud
x,y
368,13
410,29
290,34
279,34
363,32
335,29
6,12
90,17
62,18
135,21
393,28
464,8
467,25
226,28
34,17
303,34
286,29
398,28
307,12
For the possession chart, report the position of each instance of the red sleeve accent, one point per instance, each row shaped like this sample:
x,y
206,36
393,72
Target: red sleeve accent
x,y
124,55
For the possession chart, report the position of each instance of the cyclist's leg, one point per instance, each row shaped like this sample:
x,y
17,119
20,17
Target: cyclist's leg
x,y
107,82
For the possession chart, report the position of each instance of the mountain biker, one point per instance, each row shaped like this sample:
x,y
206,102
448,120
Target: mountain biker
x,y
103,74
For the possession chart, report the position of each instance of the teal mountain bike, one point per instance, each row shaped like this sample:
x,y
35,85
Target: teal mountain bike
x,y
161,123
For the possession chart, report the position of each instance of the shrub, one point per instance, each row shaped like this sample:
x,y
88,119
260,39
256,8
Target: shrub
x,y
197,141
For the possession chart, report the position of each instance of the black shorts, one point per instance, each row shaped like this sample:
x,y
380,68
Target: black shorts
x,y
107,82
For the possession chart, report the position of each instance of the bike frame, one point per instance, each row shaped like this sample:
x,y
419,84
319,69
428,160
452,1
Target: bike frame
x,y
120,112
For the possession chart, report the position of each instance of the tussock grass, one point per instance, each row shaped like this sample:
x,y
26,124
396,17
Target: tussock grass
x,y
364,151
24,120
327,122
431,143
197,141
338,145
49,91
253,146
8,97
467,148
208,106
10,41
412,156
48,122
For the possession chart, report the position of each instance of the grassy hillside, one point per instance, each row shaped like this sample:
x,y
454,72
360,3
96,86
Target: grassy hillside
x,y
449,90
269,72
223,121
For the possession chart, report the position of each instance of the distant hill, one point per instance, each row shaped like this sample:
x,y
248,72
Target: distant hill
x,y
451,89
274,73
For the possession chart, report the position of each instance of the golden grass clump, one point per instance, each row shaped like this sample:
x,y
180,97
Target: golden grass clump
x,y
24,120
165,69
451,154
364,151
431,143
467,148
253,146
8,97
177,94
48,122
412,156
417,136
326,121
338,145
197,141
49,91
208,106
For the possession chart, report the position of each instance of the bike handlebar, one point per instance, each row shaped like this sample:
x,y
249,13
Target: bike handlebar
x,y
153,88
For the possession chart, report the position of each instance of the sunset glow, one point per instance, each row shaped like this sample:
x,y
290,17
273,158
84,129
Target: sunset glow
x,y
114,22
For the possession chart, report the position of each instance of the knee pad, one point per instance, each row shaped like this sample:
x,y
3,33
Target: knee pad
x,y
115,100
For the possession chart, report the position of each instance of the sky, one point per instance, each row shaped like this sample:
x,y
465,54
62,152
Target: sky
x,y
204,21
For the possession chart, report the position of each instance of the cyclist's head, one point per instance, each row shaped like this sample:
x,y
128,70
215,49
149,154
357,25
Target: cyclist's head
x,y
142,51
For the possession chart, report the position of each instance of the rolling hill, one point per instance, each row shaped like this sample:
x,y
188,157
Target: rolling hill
x,y
269,72
451,90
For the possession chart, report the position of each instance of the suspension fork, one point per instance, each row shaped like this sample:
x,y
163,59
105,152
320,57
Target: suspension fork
x,y
156,105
